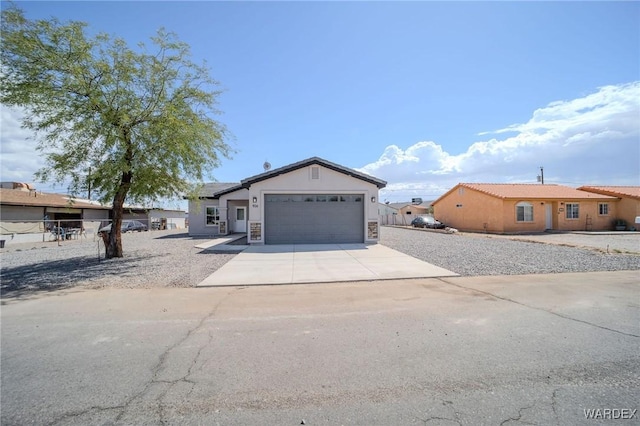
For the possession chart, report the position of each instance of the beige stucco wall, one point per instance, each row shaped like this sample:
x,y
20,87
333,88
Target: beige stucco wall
x,y
469,210
407,213
628,209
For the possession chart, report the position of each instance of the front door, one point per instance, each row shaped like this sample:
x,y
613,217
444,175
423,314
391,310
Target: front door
x,y
549,216
241,219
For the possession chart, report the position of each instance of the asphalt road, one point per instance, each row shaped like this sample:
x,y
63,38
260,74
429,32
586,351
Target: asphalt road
x,y
536,349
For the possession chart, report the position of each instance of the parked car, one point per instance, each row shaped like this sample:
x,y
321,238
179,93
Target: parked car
x,y
427,222
127,226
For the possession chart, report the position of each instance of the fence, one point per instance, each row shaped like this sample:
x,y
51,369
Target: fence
x,y
32,231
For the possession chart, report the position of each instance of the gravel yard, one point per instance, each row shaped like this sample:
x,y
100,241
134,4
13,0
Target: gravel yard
x,y
169,259
479,254
151,259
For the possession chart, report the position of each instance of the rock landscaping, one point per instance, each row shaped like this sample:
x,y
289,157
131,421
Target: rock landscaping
x,y
169,259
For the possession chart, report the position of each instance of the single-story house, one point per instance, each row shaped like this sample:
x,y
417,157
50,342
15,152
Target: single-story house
x,y
26,214
521,208
156,218
628,206
387,213
313,201
403,213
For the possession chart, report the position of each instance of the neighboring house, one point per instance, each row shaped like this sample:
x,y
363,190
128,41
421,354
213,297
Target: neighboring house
x,y
26,214
156,218
628,206
309,202
519,208
407,211
388,214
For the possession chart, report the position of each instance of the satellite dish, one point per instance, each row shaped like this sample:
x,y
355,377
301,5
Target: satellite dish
x,y
267,166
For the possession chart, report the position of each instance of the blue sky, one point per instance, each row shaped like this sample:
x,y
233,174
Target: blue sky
x,y
421,94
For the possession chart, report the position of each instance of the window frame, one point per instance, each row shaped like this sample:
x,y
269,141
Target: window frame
x,y
600,209
207,215
572,211
526,206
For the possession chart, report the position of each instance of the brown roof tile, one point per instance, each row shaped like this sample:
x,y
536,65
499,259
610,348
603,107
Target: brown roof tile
x,y
17,197
615,191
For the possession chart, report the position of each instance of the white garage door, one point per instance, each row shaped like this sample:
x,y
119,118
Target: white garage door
x,y
314,218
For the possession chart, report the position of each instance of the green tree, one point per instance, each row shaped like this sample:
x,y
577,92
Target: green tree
x,y
135,125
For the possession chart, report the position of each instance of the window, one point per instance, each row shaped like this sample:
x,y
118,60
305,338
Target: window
x,y
524,212
603,209
212,216
573,211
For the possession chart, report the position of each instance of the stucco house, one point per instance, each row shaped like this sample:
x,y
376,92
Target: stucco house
x,y
313,201
628,206
25,213
521,208
402,213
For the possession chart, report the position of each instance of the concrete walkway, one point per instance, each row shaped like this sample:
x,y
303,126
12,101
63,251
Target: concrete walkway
x,y
296,264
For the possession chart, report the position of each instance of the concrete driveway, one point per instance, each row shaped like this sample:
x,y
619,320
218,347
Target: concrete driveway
x,y
316,263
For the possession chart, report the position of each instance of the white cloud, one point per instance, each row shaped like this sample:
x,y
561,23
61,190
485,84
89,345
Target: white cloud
x,y
20,160
589,140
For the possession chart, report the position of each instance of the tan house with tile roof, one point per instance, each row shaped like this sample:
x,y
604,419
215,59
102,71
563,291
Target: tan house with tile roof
x,y
522,208
628,206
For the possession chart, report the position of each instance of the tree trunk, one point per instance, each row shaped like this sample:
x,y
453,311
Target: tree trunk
x,y
113,243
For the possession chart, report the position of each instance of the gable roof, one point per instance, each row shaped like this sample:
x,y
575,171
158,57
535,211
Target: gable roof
x,y
215,189
17,197
615,191
528,191
312,161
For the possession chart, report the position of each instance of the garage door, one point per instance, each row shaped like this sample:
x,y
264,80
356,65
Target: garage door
x,y
314,218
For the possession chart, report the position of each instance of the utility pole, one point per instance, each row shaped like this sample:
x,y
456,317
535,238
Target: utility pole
x,y
541,175
89,185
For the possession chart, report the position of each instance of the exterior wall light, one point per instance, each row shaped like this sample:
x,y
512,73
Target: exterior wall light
x,y
255,200
373,199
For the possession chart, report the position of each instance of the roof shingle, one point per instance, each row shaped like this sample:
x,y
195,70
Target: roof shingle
x,y
16,197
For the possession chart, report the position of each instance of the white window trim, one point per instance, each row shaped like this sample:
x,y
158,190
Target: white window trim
x,y
566,213
206,215
600,205
524,205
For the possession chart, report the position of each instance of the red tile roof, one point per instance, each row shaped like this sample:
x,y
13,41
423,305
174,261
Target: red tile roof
x,y
615,191
529,191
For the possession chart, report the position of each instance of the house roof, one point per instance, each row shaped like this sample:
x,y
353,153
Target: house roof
x,y
16,197
215,189
614,191
528,191
311,161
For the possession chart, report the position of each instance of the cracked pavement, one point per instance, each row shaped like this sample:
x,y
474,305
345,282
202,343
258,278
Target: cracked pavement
x,y
454,351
